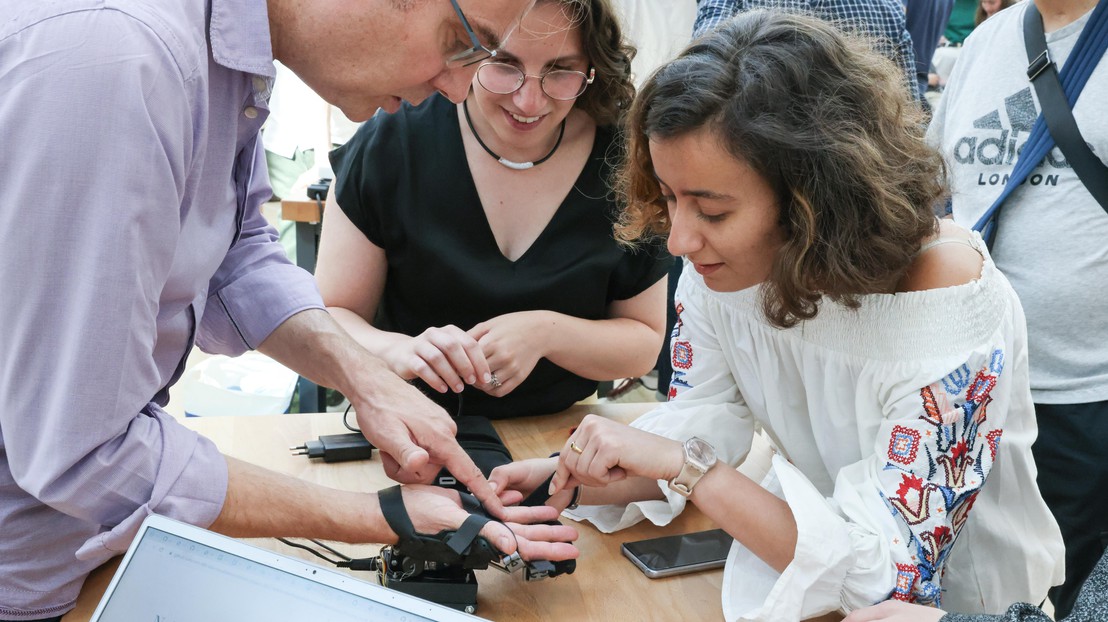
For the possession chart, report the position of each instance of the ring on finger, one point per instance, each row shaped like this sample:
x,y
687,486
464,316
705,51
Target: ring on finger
x,y
494,381
573,445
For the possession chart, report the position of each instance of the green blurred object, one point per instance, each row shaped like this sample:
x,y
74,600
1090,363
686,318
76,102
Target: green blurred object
x,y
960,24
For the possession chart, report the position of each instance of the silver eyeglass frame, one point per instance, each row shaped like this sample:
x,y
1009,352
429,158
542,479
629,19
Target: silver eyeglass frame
x,y
589,77
473,55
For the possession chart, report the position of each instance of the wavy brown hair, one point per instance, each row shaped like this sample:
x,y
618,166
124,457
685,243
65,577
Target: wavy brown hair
x,y
610,94
831,127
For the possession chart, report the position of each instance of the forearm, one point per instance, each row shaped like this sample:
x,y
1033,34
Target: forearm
x,y
598,349
755,517
623,492
262,503
376,341
314,345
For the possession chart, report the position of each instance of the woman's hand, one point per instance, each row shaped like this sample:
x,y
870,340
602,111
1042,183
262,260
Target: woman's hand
x,y
516,481
603,451
895,611
445,357
434,509
512,345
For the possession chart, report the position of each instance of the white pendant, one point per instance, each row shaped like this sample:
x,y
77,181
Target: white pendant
x,y
519,166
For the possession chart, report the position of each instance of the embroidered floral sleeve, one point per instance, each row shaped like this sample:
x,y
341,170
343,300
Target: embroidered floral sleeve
x,y
933,470
889,525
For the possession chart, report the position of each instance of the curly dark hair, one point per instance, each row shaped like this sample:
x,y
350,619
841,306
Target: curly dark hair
x,y
828,123
610,94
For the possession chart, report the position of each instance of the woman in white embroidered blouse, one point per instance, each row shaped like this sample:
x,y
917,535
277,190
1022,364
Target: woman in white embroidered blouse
x,y
821,304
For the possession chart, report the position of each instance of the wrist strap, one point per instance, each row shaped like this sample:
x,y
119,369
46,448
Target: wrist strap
x,y
575,502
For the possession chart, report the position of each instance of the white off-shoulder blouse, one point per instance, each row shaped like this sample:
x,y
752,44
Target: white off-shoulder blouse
x,y
902,433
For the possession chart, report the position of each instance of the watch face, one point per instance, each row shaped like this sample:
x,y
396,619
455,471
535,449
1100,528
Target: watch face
x,y
701,452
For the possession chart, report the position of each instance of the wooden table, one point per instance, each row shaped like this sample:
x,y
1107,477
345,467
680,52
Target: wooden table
x,y
605,587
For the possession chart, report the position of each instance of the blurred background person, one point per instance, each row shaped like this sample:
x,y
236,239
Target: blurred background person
x,y
988,8
881,21
299,126
926,20
1051,244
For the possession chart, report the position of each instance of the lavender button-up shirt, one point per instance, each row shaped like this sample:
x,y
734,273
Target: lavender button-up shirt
x,y
131,174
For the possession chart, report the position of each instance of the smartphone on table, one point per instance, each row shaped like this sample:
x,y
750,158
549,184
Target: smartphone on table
x,y
672,555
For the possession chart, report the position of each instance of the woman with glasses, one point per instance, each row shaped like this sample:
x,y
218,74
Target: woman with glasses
x,y
470,245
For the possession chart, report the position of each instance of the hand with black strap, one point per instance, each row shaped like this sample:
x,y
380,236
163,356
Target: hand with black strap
x,y
436,524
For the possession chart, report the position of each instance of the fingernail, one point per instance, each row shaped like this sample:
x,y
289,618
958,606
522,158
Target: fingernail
x,y
487,378
471,379
550,489
458,388
503,542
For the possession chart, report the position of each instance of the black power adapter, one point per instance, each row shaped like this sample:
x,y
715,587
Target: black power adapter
x,y
336,448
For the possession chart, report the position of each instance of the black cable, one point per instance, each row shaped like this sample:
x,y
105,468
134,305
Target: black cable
x,y
364,563
297,545
347,423
371,564
320,544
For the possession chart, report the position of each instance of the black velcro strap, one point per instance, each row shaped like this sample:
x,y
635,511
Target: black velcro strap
x,y
465,535
539,496
471,504
396,515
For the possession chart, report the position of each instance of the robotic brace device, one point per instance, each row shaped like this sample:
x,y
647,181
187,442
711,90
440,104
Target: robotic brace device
x,y
440,567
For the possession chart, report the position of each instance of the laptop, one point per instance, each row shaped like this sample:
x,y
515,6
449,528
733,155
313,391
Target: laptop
x,y
175,572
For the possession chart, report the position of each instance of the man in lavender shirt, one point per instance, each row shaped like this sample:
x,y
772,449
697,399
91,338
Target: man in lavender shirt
x,y
131,174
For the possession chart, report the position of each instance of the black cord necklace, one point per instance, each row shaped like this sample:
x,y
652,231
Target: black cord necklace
x,y
519,166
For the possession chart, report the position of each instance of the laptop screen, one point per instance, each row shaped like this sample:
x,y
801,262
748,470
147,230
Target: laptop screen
x,y
170,578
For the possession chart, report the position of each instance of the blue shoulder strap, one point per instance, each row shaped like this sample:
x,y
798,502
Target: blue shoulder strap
x,y
1084,58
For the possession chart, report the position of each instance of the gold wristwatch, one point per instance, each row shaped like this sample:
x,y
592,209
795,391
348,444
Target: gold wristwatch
x,y
700,456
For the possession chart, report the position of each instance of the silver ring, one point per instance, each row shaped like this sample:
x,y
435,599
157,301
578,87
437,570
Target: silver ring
x,y
495,382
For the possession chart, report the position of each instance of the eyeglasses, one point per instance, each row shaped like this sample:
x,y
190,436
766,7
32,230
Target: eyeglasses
x,y
561,84
473,55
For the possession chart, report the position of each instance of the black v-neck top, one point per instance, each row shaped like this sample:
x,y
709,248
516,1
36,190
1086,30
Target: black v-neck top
x,y
404,181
